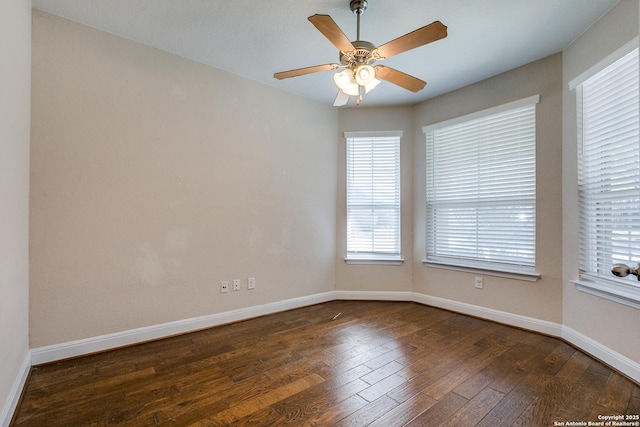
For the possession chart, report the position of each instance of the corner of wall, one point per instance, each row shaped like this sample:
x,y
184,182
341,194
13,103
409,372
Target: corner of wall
x,y
15,87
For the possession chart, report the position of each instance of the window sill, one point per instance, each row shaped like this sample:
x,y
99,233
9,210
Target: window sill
x,y
621,293
372,261
510,272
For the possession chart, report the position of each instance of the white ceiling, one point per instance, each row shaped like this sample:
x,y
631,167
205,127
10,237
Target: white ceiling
x,y
255,39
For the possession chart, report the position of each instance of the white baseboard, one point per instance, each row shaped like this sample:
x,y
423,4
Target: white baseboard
x,y
11,403
134,336
524,322
374,295
601,352
612,358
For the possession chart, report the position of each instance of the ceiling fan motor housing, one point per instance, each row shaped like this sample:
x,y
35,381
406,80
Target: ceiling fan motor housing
x,y
362,54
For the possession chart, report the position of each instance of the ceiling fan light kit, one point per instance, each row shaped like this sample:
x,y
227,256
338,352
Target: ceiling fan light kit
x,y
357,57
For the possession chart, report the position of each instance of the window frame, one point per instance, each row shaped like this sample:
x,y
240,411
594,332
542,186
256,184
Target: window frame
x,y
620,290
372,257
518,272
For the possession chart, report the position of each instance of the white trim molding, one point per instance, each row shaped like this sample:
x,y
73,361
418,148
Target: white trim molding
x,y
621,363
622,293
374,295
531,100
373,261
497,270
524,322
86,346
593,348
612,358
9,407
372,134
604,63
55,352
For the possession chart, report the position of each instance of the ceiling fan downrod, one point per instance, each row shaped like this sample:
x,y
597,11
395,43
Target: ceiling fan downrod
x,y
358,7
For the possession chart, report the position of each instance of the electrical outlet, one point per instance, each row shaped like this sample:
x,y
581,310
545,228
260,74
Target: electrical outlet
x,y
224,286
478,283
251,283
236,284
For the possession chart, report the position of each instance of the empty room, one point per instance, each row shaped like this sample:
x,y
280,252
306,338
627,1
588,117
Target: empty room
x,y
333,213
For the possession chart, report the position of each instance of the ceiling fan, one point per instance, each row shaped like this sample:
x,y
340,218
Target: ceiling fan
x,y
357,57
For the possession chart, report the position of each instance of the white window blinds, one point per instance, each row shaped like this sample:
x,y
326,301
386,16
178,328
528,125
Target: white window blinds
x,y
609,168
373,195
481,190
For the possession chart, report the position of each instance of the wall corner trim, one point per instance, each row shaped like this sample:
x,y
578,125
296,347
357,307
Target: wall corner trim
x,y
9,407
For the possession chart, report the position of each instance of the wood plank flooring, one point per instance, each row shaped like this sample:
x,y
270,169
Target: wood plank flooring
x,y
342,363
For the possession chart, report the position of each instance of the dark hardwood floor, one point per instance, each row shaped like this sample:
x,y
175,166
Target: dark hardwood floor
x,y
343,363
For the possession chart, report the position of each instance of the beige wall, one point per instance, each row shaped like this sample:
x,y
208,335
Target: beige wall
x,y
154,178
613,325
541,299
390,278
15,60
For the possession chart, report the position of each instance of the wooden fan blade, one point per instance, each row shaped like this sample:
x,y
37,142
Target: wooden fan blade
x,y
399,78
427,34
303,71
327,26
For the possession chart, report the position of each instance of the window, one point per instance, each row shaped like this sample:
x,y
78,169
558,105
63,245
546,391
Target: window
x,y
481,191
373,196
609,176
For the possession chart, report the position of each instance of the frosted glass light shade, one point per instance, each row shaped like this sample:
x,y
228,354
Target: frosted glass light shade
x,y
375,82
365,74
345,81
